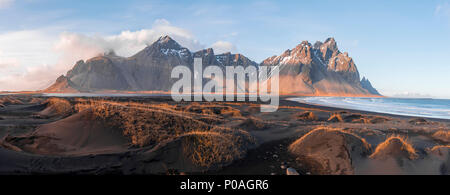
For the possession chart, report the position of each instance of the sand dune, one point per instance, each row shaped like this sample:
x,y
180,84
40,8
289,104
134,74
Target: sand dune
x,y
77,134
56,107
331,151
394,147
158,136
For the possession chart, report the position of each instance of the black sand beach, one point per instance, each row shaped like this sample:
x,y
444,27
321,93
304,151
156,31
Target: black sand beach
x,y
154,135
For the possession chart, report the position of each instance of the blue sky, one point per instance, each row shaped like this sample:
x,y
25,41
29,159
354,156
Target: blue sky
x,y
401,46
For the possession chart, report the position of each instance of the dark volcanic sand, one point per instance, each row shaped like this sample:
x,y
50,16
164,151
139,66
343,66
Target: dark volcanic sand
x,y
274,132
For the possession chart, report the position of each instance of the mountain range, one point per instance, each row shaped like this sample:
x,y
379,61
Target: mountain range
x,y
319,69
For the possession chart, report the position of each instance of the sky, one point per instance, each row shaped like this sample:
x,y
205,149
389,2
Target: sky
x,y
401,46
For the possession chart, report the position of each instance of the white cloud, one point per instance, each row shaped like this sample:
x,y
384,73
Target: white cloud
x,y
37,57
223,47
7,62
126,43
5,3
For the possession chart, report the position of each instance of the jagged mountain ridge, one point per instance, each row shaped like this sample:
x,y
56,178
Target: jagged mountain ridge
x,y
319,69
150,69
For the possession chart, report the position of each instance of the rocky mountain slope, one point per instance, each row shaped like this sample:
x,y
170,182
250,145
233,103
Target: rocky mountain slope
x,y
319,69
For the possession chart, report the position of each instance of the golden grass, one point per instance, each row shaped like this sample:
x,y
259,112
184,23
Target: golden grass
x,y
36,100
395,146
442,135
212,109
442,151
306,116
253,123
326,150
147,124
209,148
435,148
335,117
324,129
10,100
61,106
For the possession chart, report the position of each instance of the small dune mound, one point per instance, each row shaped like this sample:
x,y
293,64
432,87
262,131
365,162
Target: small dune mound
x,y
419,121
35,100
366,119
356,118
373,133
210,109
376,120
253,123
442,135
77,134
441,151
208,149
441,154
146,124
330,151
394,147
306,116
199,151
10,100
56,107
335,117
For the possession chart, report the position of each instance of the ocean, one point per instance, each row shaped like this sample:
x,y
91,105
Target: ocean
x,y
430,108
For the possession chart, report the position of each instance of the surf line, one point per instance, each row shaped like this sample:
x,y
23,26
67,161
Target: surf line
x,y
257,82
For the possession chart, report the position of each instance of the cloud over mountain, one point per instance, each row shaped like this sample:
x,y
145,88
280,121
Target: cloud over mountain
x,y
36,57
223,47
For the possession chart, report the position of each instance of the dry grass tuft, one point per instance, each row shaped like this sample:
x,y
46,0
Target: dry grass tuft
x,y
211,148
326,130
442,135
335,117
306,116
253,123
357,118
10,100
330,151
213,109
59,105
376,120
147,124
419,121
436,148
204,144
395,146
143,124
35,100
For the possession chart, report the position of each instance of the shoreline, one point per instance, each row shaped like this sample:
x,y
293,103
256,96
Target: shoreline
x,y
159,94
365,111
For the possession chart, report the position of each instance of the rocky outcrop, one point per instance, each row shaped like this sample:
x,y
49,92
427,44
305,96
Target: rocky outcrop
x,y
62,85
365,83
319,69
228,59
